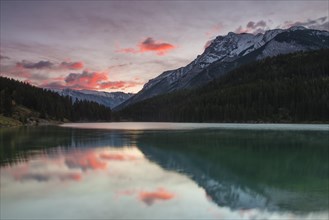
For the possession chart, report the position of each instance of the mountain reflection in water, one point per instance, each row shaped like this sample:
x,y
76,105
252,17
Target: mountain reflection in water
x,y
209,173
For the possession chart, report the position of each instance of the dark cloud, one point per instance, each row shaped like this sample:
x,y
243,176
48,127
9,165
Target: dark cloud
x,y
120,65
44,177
91,78
324,26
4,57
35,176
72,65
39,65
149,45
49,65
319,23
253,27
53,85
90,81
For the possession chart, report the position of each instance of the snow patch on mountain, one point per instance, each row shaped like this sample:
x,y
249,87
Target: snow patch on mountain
x,y
228,52
108,99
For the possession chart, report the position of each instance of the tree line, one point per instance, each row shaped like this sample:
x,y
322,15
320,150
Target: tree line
x,y
48,104
285,88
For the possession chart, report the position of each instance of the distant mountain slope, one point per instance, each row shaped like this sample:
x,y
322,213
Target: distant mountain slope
x,y
285,88
228,52
24,102
108,99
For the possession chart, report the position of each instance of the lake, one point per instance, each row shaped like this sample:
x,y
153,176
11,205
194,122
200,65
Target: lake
x,y
165,171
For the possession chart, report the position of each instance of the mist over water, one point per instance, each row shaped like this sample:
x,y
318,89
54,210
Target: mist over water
x,y
165,170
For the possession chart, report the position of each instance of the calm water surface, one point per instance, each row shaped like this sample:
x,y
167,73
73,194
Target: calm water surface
x,y
165,170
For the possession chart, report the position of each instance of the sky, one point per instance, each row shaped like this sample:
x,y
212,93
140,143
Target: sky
x,y
120,45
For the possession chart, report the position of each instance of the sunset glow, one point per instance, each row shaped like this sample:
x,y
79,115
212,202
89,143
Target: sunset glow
x,y
119,46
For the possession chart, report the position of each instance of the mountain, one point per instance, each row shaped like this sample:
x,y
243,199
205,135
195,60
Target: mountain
x,y
31,105
228,52
108,99
291,88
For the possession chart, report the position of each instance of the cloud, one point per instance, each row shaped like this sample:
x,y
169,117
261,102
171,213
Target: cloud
x,y
4,57
89,81
70,176
119,84
34,176
45,74
17,71
150,197
120,65
319,23
149,45
88,78
85,161
39,65
117,156
253,27
49,65
215,29
53,85
44,177
72,65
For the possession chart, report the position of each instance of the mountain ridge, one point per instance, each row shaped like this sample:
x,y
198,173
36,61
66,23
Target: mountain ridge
x,y
290,88
108,99
228,52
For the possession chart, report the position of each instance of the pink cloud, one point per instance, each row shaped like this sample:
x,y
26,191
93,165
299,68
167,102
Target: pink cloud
x,y
148,197
117,156
72,65
88,80
149,45
215,29
160,194
252,27
85,161
25,173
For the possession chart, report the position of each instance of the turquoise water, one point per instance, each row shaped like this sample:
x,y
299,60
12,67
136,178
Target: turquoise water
x,y
165,170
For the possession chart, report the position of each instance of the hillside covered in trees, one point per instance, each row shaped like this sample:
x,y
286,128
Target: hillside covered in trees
x,y
285,88
46,104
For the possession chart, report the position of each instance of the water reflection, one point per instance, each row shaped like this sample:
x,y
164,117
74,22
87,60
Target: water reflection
x,y
243,169
228,174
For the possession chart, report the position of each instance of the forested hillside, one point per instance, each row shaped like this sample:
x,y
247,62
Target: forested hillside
x,y
286,88
47,104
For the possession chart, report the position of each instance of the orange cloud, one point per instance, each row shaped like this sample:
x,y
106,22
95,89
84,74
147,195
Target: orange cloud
x,y
89,81
70,176
72,65
117,156
118,84
149,45
86,80
150,197
85,161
